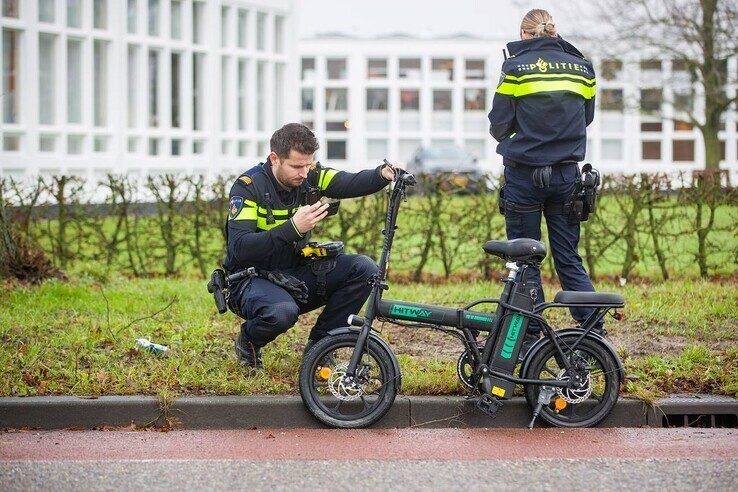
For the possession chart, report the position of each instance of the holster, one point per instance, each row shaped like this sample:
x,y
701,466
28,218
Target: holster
x,y
321,268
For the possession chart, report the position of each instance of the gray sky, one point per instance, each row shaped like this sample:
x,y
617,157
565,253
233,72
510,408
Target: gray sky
x,y
366,18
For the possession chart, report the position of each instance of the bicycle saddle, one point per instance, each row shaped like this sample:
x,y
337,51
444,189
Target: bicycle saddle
x,y
522,249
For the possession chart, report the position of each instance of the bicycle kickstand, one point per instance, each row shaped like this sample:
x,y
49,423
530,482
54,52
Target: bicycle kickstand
x,y
544,398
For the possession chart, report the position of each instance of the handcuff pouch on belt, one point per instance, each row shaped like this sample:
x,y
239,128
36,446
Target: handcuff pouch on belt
x,y
577,208
322,258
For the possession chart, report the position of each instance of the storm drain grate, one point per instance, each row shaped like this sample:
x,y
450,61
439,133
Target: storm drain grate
x,y
698,411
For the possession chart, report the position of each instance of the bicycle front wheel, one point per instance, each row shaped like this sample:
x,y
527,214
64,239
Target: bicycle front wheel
x,y
340,403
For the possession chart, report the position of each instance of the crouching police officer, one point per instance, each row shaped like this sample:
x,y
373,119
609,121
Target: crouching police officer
x,y
541,108
268,227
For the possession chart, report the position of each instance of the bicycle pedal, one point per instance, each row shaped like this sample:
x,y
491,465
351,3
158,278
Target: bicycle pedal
x,y
489,405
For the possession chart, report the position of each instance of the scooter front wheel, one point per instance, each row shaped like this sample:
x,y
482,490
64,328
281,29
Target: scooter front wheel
x,y
342,402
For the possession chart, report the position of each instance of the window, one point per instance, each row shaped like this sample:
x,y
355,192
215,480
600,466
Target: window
x,y
198,147
198,22
408,148
475,99
336,99
46,11
11,8
74,81
651,126
279,34
47,143
651,150
611,69
442,100
377,99
243,28
336,68
176,146
683,126
198,83
376,68
442,69
376,149
683,150
46,80
475,147
11,143
683,100
133,145
336,149
224,26
410,68
132,86
242,93
474,70
153,146
225,104
10,75
679,65
100,80
154,88
100,14
132,17
261,31
154,18
75,144
100,144
279,69
225,147
260,96
243,148
308,68
612,149
175,20
176,91
336,126
308,99
650,65
409,100
309,124
611,100
74,13
650,100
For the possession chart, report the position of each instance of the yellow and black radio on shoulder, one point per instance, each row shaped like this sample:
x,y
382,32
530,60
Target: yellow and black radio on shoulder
x,y
329,249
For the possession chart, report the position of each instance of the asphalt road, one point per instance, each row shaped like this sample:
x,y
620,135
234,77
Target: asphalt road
x,y
406,459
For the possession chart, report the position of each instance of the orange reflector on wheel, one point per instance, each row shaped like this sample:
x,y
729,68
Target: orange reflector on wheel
x,y
324,373
559,404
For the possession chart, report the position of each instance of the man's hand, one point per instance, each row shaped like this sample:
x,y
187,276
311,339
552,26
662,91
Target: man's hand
x,y
388,171
306,217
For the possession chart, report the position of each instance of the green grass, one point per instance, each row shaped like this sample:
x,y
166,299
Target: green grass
x,y
78,338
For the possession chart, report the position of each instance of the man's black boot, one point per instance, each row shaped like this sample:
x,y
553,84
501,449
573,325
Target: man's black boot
x,y
247,353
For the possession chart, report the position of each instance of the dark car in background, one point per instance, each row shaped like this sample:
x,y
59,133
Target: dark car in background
x,y
450,167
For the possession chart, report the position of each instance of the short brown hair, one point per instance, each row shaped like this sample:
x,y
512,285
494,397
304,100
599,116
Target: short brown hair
x,y
293,136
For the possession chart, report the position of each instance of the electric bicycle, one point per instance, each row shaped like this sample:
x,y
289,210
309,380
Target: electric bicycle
x,y
570,377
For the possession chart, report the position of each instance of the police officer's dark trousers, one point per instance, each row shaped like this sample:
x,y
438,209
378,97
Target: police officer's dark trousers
x,y
270,310
563,237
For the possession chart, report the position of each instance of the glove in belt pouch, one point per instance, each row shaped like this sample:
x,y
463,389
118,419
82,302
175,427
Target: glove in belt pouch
x,y
314,193
508,343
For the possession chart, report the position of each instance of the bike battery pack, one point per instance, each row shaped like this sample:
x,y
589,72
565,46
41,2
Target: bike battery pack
x,y
509,340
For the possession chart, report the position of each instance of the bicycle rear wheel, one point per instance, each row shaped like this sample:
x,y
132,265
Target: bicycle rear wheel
x,y
332,400
587,405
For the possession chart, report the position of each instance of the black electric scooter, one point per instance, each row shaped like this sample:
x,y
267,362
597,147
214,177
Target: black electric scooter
x,y
571,377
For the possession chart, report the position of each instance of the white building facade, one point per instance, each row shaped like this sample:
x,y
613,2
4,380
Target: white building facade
x,y
373,98
144,86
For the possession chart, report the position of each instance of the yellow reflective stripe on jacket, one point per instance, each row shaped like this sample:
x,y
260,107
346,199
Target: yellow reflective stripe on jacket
x,y
248,212
551,76
526,88
326,175
261,223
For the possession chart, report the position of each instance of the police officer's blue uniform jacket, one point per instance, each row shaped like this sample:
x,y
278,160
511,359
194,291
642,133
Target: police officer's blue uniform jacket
x,y
260,231
543,103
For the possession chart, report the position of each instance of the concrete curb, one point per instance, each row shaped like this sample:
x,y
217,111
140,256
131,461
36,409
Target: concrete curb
x,y
244,412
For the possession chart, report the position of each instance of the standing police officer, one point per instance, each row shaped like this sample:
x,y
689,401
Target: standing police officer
x,y
269,223
541,108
